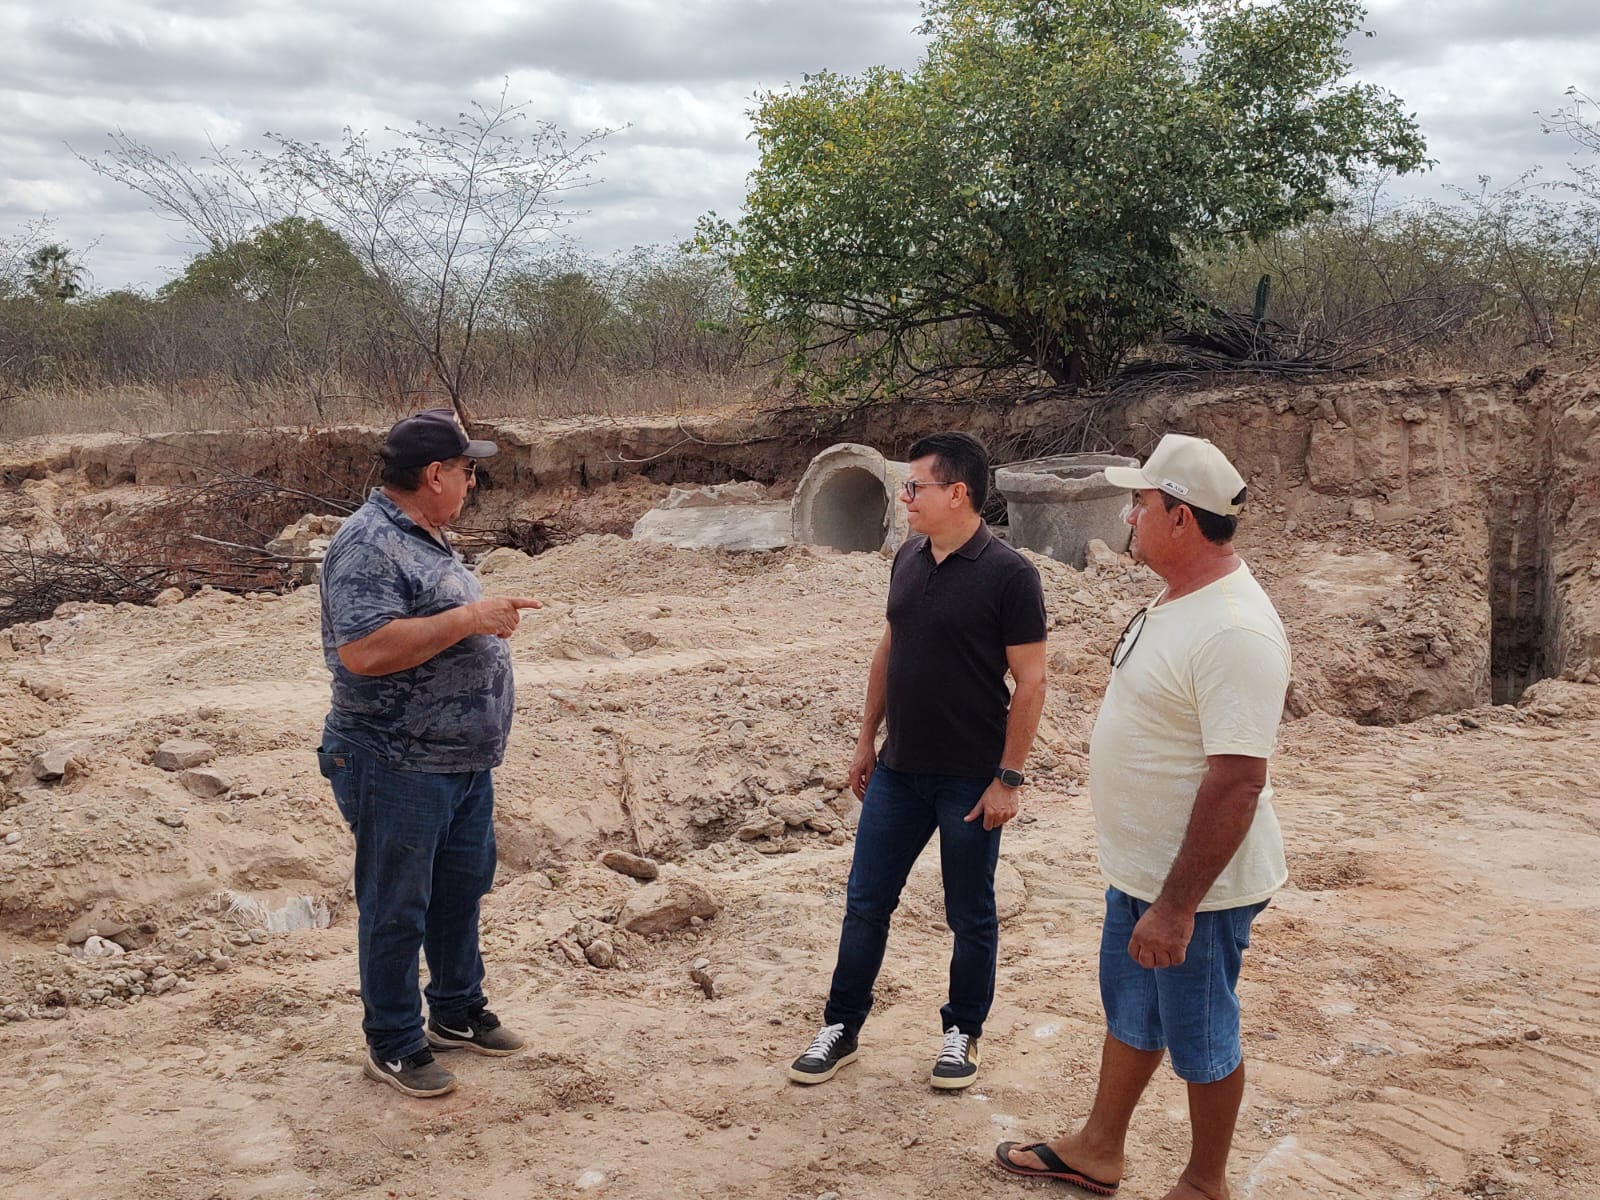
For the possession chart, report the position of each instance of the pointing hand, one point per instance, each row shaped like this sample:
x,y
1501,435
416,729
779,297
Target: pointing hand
x,y
499,615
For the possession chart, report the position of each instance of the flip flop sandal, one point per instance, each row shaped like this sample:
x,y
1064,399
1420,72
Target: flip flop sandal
x,y
1053,1168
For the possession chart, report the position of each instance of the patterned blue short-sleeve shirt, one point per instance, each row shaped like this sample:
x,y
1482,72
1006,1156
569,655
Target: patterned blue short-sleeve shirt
x,y
449,714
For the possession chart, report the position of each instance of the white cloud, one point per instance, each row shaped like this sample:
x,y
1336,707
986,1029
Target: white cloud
x,y
680,77
1478,81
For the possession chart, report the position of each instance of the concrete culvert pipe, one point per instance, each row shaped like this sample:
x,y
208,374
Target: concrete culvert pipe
x,y
849,498
1057,506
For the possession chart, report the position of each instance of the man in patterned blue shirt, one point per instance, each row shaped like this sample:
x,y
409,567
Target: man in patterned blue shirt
x,y
422,701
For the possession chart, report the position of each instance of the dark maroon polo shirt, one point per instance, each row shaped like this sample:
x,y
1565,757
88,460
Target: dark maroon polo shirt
x,y
949,626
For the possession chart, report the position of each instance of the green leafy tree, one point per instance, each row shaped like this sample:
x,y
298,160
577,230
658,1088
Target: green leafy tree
x,y
1031,194
290,262
294,297
53,274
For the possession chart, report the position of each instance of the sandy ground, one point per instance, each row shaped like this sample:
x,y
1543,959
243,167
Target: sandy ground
x,y
1419,1002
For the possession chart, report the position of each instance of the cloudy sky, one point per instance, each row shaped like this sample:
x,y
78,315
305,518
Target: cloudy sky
x,y
679,75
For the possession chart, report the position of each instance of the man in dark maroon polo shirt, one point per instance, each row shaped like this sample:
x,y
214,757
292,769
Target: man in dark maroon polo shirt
x,y
964,608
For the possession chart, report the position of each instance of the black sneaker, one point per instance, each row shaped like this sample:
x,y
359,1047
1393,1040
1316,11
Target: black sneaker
x,y
957,1064
415,1074
481,1033
829,1051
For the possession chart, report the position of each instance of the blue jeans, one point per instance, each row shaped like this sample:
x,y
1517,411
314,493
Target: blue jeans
x,y
425,856
898,816
1190,1010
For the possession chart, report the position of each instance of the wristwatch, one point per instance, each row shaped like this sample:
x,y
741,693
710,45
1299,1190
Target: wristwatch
x,y
1012,779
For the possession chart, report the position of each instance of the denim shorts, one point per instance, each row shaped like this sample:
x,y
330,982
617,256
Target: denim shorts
x,y
1191,1010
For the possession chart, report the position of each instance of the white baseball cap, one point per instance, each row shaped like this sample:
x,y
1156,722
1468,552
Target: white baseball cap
x,y
1190,468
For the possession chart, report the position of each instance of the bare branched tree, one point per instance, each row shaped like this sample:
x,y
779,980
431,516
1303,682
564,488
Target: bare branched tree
x,y
15,250
440,216
1579,119
435,215
227,203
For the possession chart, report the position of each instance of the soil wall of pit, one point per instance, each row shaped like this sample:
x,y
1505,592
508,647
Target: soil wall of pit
x,y
1444,534
1508,467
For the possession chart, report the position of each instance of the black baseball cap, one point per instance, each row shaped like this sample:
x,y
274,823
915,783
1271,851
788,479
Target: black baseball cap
x,y
433,435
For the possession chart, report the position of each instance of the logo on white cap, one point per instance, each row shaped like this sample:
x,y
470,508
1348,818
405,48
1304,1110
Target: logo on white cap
x,y
1208,479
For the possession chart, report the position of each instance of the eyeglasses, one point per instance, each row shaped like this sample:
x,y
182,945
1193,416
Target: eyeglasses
x,y
470,470
1130,635
910,486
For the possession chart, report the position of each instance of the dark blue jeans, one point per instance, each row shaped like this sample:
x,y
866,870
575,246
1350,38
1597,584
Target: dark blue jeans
x,y
898,816
425,856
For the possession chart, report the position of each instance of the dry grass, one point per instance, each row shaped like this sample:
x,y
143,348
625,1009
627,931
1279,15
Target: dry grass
x,y
196,405
144,410
651,393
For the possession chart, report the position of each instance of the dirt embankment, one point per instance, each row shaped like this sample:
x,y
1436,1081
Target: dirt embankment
x,y
1486,486
1445,530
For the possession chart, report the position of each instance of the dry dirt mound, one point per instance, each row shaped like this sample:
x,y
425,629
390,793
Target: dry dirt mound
x,y
666,700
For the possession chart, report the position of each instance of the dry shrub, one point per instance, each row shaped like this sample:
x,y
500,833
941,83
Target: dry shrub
x,y
208,534
1491,279
132,560
144,409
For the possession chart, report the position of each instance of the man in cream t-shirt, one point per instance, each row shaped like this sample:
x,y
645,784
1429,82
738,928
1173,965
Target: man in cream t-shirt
x,y
1189,843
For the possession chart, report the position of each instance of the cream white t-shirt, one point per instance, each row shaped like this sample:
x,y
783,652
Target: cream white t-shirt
x,y
1207,675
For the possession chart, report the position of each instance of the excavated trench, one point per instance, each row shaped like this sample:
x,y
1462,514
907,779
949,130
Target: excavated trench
x,y
1522,596
1440,537
1433,550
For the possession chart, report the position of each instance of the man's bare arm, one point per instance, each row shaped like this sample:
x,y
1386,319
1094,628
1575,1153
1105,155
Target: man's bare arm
x,y
410,641
1224,808
1027,664
865,760
1000,803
